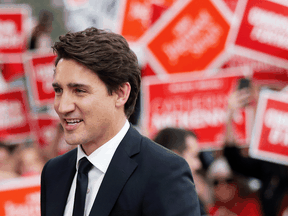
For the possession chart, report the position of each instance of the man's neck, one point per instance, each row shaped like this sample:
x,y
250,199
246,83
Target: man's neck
x,y
88,148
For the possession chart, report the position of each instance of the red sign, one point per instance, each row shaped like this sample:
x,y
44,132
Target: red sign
x,y
12,66
231,4
40,71
262,31
13,20
262,73
20,196
46,129
270,135
137,17
14,122
190,102
188,37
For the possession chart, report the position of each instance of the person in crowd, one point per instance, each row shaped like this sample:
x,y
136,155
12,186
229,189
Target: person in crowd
x,y
228,200
56,146
273,177
114,170
7,161
40,39
30,161
184,143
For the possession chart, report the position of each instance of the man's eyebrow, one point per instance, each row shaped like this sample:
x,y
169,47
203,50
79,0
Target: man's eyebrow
x,y
72,85
77,85
55,85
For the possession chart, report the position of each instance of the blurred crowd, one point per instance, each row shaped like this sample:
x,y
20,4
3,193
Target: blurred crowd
x,y
228,181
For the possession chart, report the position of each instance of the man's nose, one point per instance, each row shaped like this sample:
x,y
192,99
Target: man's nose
x,y
66,104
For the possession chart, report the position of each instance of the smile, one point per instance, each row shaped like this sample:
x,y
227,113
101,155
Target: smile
x,y
73,122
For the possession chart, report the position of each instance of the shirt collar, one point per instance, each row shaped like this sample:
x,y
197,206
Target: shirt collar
x,y
102,156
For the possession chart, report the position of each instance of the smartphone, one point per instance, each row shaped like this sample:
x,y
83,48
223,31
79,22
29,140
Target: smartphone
x,y
243,83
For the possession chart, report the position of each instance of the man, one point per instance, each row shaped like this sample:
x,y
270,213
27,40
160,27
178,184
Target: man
x,y
96,83
184,143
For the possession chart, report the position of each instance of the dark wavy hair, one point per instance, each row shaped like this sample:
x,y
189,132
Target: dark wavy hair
x,y
108,55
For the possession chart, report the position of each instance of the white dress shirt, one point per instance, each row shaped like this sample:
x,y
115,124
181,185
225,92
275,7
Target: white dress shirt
x,y
100,159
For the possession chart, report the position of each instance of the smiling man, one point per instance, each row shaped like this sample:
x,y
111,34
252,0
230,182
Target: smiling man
x,y
114,170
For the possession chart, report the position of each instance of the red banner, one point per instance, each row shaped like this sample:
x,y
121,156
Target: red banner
x,y
261,72
194,103
13,20
15,119
40,70
231,4
137,17
12,66
46,128
188,37
270,134
262,30
20,196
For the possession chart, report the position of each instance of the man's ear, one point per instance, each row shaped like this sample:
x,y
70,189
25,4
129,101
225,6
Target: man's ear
x,y
123,94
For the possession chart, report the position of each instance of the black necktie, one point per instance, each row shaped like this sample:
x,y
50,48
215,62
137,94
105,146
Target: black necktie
x,y
81,187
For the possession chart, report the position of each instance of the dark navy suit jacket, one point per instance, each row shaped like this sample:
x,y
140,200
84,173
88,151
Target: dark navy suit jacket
x,y
143,178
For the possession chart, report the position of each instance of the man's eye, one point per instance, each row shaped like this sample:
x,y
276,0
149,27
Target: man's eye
x,y
57,90
79,90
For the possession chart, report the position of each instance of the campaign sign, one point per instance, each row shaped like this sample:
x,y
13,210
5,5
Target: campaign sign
x,y
40,70
270,133
136,17
13,38
261,72
262,31
46,127
12,66
231,4
20,196
189,36
14,122
193,103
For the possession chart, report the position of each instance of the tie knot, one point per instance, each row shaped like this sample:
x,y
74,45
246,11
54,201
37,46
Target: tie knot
x,y
84,165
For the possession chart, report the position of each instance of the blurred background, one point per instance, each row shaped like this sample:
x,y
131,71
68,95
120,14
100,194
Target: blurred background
x,y
214,91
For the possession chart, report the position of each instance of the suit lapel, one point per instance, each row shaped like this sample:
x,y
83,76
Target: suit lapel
x,y
62,187
118,172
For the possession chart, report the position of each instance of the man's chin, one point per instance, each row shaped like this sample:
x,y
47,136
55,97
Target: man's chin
x,y
71,141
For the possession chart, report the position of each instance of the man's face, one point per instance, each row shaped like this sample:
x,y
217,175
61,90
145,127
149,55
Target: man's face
x,y
85,108
191,153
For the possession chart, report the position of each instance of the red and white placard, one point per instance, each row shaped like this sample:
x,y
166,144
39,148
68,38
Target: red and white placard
x,y
135,17
13,24
15,118
188,37
12,66
270,133
20,196
193,103
261,31
231,4
39,70
45,128
262,73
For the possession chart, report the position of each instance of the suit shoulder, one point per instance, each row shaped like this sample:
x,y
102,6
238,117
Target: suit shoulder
x,y
156,152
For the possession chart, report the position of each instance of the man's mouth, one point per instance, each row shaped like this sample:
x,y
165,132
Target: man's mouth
x,y
73,121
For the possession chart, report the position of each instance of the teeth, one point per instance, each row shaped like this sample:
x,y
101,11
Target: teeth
x,y
73,121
